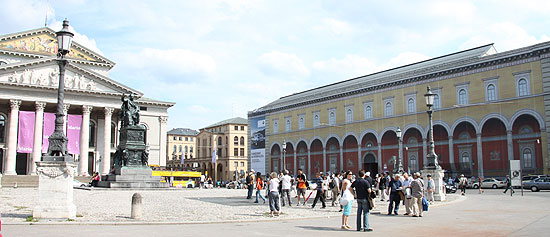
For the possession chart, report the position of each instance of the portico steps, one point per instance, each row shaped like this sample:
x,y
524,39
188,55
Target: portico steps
x,y
30,181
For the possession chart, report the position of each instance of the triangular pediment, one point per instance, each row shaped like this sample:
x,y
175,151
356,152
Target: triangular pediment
x,y
44,73
42,42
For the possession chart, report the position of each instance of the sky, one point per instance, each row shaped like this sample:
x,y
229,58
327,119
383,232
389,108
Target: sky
x,y
219,59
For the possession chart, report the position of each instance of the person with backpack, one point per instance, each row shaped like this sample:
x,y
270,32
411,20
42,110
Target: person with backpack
x,y
259,187
250,184
509,185
361,189
462,183
302,186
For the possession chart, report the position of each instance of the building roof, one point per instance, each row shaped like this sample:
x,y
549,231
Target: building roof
x,y
236,120
381,77
183,132
446,65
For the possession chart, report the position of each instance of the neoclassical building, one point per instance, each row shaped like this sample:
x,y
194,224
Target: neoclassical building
x,y
181,148
490,108
229,139
29,76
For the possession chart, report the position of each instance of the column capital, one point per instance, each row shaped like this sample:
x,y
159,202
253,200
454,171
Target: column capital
x,y
15,104
108,111
40,105
163,119
87,109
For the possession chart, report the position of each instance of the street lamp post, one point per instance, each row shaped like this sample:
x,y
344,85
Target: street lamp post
x,y
284,155
432,167
400,169
56,169
57,149
432,157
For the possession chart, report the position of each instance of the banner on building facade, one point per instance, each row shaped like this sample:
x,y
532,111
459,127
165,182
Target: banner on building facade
x,y
74,124
257,144
25,136
48,127
515,173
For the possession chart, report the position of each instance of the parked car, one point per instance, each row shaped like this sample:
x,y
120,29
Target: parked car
x,y
490,183
528,178
77,184
542,183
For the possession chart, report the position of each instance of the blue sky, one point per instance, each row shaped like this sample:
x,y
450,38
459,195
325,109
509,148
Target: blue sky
x,y
220,59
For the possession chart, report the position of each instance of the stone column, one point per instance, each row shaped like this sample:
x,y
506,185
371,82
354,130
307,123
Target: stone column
x,y
37,147
324,160
106,160
12,138
425,151
65,112
295,158
479,156
380,165
451,154
84,141
341,158
163,136
359,156
308,163
510,145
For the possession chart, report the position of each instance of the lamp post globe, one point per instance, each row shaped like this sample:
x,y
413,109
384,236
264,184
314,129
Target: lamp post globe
x,y
64,39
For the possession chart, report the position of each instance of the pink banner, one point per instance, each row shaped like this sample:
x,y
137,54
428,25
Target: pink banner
x,y
25,136
74,122
49,126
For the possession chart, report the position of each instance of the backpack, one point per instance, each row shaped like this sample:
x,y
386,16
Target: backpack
x,y
331,185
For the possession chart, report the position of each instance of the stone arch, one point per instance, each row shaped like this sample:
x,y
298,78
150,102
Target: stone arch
x,y
300,140
369,130
442,124
275,143
332,135
466,119
386,129
500,117
531,112
418,127
349,134
313,139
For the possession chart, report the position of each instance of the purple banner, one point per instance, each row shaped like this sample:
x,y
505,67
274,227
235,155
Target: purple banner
x,y
49,126
25,136
74,122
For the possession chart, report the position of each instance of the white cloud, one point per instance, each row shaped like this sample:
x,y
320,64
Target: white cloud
x,y
336,27
462,11
279,63
505,35
78,38
172,61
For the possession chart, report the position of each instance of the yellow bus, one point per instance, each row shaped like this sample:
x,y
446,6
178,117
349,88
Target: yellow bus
x,y
187,179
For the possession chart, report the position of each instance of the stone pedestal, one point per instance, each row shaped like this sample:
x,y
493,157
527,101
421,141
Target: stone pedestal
x,y
132,177
55,190
437,176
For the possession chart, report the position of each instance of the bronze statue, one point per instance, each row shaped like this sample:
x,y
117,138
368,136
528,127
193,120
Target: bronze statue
x,y
129,111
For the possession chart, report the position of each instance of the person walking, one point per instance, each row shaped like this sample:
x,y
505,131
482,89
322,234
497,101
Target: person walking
x,y
259,187
407,180
480,183
362,190
302,186
203,178
430,189
285,188
250,184
509,185
462,183
382,185
320,192
417,191
394,187
273,187
334,186
346,190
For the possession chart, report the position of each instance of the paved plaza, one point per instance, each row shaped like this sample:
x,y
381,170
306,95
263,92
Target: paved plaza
x,y
222,211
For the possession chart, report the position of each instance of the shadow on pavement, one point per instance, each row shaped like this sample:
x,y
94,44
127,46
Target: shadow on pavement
x,y
229,201
320,228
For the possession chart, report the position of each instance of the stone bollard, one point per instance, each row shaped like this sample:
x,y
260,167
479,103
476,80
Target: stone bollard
x,y
136,206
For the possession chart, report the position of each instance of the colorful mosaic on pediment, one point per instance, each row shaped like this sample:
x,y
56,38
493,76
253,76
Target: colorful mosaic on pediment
x,y
42,44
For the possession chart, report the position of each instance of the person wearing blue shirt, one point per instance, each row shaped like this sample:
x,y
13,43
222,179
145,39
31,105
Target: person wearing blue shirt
x,y
394,187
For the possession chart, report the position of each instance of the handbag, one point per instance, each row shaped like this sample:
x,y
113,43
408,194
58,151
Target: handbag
x,y
346,198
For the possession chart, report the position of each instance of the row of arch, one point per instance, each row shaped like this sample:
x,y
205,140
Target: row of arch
x,y
466,146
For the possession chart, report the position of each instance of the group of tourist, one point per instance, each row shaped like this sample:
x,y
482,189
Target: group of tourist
x,y
345,188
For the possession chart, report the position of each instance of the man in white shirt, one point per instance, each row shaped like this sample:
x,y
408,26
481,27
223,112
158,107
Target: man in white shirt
x,y
285,189
202,181
407,180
